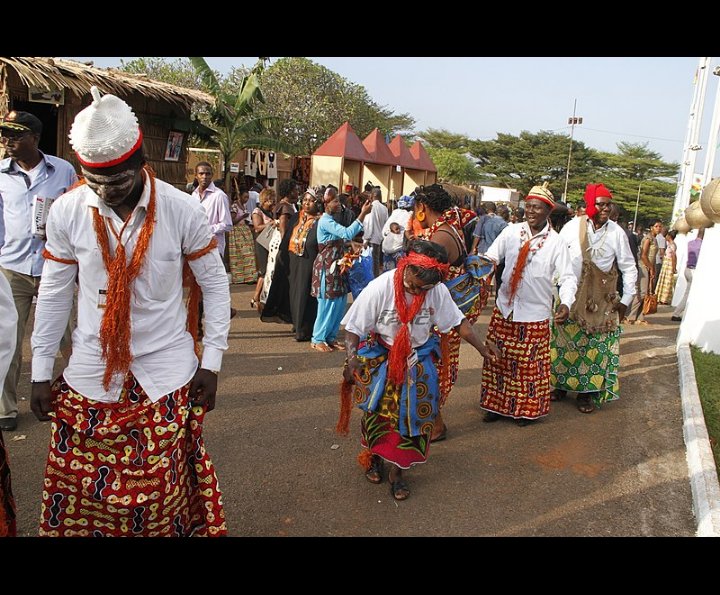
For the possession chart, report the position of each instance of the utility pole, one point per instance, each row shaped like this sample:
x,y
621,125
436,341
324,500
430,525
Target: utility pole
x,y
714,132
637,204
687,167
573,121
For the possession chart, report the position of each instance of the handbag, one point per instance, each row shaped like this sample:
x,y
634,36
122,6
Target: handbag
x,y
265,236
649,304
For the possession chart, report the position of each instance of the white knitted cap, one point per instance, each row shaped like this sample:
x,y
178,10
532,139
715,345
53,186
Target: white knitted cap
x,y
106,132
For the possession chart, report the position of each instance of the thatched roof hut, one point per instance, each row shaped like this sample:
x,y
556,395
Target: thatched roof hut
x,y
460,193
55,90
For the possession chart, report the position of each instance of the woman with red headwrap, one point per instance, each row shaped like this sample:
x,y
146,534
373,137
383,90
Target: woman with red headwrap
x,y
392,361
585,349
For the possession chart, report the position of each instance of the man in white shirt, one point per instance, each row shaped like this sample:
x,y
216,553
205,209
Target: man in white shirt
x,y
215,202
518,384
586,348
128,410
253,201
373,235
27,176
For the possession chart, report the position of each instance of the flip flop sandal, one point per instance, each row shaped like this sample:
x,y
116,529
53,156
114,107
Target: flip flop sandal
x,y
337,346
399,490
375,473
321,347
585,404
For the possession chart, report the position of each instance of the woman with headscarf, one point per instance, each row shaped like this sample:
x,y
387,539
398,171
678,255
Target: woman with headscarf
x,y
444,224
391,367
329,284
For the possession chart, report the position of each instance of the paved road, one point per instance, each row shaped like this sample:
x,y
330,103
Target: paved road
x,y
620,471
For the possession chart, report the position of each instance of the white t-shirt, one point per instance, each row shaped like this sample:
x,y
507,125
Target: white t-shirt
x,y
35,172
253,201
374,310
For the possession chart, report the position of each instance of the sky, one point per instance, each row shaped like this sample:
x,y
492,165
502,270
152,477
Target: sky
x,y
629,99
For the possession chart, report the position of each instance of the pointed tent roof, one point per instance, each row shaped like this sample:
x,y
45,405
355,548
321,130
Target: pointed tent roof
x,y
378,149
344,143
400,152
421,157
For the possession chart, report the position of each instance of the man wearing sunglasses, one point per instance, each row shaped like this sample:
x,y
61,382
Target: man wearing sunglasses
x,y
26,175
585,350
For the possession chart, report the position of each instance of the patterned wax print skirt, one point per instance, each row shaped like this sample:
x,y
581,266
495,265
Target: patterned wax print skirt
x,y
131,468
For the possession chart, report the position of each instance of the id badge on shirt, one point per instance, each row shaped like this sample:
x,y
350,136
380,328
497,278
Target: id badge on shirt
x,y
102,298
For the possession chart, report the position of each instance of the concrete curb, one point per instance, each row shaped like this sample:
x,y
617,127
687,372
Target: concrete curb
x,y
701,464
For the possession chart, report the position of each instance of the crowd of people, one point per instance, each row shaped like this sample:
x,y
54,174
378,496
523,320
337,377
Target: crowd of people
x,y
126,249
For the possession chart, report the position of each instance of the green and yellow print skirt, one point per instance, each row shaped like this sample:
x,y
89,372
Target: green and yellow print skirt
x,y
585,362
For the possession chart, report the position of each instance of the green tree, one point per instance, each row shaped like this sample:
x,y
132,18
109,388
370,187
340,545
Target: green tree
x,y
444,139
453,166
232,115
179,72
532,158
636,168
311,102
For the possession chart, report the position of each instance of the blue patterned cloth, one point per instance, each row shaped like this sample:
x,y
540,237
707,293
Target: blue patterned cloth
x,y
417,408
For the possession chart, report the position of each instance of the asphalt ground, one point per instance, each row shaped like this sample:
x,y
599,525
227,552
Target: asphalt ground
x,y
620,471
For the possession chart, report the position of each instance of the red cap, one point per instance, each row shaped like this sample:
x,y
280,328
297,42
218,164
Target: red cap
x,y
592,191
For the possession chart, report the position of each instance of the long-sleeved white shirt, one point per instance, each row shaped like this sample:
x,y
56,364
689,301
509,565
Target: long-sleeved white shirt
x,y
217,208
162,349
607,244
8,328
534,298
374,222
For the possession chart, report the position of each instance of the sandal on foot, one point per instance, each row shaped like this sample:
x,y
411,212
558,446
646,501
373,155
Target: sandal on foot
x,y
337,346
322,347
399,490
557,395
440,437
522,422
490,417
375,473
585,404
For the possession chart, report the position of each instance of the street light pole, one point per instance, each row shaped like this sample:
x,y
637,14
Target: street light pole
x,y
637,204
572,121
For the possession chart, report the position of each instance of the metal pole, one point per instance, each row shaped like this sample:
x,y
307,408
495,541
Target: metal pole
x,y
637,204
567,169
713,140
682,199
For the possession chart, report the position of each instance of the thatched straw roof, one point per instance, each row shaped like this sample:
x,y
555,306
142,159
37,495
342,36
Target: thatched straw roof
x,y
78,77
458,192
